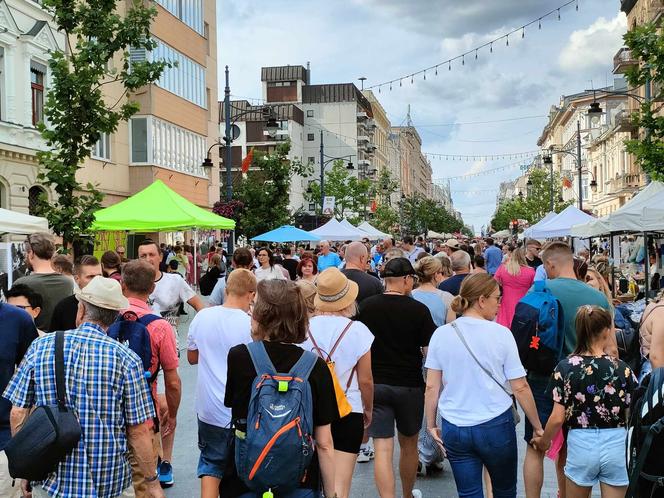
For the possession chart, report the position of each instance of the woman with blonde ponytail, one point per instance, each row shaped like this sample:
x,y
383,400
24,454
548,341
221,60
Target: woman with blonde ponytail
x,y
482,371
430,274
515,277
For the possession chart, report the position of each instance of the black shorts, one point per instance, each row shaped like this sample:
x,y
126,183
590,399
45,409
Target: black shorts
x,y
347,433
403,405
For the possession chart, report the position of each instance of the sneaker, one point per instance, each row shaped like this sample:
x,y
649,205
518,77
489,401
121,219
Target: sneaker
x,y
165,471
421,469
417,493
365,455
436,467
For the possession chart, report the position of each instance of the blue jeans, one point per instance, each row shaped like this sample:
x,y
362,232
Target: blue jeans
x,y
297,493
491,445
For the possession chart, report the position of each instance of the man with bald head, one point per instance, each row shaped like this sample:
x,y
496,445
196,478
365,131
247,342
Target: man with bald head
x,y
357,257
327,258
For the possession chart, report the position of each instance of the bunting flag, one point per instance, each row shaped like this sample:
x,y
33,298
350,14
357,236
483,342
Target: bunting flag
x,y
246,162
374,206
567,183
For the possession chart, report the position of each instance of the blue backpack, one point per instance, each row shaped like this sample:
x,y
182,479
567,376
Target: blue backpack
x,y
278,446
538,327
132,331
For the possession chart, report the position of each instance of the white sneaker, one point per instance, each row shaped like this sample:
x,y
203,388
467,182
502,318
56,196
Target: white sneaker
x,y
365,455
417,493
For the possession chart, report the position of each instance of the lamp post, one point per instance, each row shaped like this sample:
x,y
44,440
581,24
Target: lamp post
x,y
549,160
271,127
324,161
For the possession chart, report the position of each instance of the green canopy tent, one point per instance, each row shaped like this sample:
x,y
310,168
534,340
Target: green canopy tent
x,y
157,208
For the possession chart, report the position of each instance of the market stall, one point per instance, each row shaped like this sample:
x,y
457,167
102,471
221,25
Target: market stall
x,y
344,222
21,223
333,230
286,233
527,233
373,232
560,225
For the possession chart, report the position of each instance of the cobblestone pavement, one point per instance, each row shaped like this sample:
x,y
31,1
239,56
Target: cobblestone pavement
x,y
185,456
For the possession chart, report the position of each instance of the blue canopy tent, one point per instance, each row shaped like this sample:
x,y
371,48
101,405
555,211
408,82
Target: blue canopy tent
x,y
286,233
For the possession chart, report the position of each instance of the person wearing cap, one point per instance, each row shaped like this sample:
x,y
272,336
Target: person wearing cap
x,y
533,248
334,335
105,388
450,246
402,328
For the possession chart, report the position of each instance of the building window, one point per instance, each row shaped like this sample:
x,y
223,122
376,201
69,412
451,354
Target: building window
x,y
310,113
102,149
33,199
37,72
310,137
189,12
185,79
312,160
312,206
139,140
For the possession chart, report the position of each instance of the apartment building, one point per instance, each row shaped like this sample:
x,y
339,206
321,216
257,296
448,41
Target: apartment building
x,y
27,35
416,169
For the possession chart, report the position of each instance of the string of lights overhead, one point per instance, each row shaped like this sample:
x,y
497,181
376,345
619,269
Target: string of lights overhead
x,y
482,157
486,172
473,53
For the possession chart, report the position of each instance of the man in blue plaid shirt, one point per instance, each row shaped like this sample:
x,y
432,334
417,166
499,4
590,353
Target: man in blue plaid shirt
x,y
106,389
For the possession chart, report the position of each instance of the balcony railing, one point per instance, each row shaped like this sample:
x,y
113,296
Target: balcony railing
x,y
622,60
624,121
624,183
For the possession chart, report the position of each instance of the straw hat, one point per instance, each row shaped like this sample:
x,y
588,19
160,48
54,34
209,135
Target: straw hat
x,y
334,292
104,293
452,243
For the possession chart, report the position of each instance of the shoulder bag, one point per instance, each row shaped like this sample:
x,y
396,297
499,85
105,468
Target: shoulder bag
x,y
515,412
49,434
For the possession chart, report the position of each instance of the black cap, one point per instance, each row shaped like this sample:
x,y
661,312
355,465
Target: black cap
x,y
398,267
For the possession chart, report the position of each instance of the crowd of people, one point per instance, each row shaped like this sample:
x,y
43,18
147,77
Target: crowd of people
x,y
405,342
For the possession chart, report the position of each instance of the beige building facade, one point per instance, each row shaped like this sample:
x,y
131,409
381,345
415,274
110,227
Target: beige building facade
x,y
416,170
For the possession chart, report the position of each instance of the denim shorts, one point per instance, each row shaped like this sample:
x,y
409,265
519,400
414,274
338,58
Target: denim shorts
x,y
543,402
216,452
596,455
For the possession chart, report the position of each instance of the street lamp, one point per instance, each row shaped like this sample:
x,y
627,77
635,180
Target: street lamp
x,y
595,113
324,161
548,160
271,126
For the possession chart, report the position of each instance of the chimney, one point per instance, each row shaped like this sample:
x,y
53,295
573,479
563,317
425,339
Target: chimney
x,y
308,82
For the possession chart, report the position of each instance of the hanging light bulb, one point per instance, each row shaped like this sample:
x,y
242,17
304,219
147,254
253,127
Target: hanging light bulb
x,y
559,14
425,75
463,60
390,86
378,89
400,84
523,32
507,40
475,54
449,65
577,5
436,70
539,23
491,47
411,79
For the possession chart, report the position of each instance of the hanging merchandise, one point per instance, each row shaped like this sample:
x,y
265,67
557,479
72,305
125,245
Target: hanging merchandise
x,y
462,57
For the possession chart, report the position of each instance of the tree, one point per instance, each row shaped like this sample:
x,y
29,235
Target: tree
x,y
264,192
420,214
386,219
535,205
351,195
647,46
76,111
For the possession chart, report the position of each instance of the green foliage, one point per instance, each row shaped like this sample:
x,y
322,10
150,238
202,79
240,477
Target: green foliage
x,y
351,194
535,205
75,109
386,219
419,215
264,193
647,45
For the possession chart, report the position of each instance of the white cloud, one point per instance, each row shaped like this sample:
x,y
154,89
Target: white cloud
x,y
594,46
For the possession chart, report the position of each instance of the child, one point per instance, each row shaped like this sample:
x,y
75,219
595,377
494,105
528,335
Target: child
x,y
591,393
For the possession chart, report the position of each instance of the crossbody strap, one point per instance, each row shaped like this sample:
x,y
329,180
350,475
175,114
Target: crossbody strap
x,y
485,370
60,369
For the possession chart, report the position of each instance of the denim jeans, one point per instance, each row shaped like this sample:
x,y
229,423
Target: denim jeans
x,y
491,445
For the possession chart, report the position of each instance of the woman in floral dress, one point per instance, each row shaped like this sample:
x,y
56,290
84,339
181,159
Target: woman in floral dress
x,y
591,393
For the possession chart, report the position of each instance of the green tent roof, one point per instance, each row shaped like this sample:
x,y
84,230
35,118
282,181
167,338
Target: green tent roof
x,y
157,208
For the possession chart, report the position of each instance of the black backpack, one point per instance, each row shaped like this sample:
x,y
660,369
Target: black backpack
x,y
209,280
645,439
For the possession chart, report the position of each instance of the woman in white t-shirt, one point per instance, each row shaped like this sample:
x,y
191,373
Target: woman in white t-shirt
x,y
481,367
267,270
333,335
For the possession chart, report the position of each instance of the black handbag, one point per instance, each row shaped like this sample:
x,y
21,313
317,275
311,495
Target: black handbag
x,y
49,433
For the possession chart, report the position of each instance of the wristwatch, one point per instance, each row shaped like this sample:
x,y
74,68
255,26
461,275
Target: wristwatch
x,y
153,478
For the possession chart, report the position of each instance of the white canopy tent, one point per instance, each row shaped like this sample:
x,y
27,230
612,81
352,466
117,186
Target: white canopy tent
x,y
442,236
501,234
645,212
352,227
373,232
548,217
21,224
561,224
335,231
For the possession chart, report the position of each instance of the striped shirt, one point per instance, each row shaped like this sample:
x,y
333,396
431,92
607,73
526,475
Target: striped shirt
x,y
106,389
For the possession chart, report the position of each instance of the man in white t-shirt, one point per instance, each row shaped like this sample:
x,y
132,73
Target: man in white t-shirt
x,y
170,290
213,332
411,250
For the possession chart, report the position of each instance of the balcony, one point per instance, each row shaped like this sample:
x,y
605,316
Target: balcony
x,y
362,139
622,60
624,183
624,122
362,115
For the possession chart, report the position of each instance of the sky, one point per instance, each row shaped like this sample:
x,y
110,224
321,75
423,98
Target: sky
x,y
495,104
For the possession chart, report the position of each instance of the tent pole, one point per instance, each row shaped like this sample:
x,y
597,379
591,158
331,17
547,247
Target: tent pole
x,y
646,264
613,265
195,249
